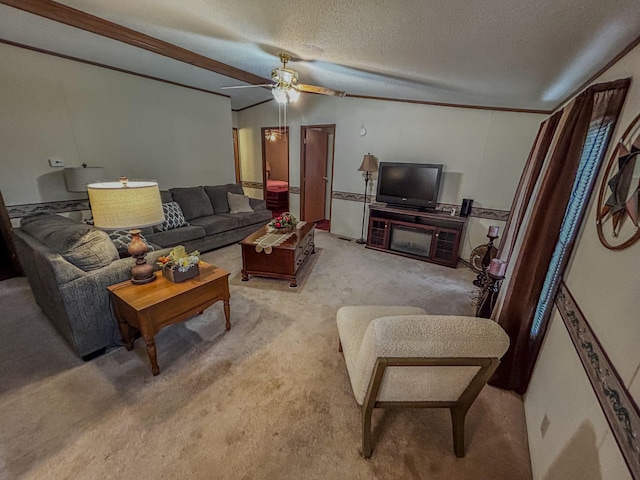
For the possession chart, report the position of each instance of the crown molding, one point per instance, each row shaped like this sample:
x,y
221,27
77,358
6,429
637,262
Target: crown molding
x,y
90,23
108,67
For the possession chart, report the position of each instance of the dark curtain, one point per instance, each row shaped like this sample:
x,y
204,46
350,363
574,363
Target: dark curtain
x,y
527,183
540,234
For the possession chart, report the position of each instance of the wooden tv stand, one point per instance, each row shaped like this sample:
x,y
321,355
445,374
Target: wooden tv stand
x,y
432,237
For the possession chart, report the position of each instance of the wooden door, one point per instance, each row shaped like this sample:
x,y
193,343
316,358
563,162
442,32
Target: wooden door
x,y
316,145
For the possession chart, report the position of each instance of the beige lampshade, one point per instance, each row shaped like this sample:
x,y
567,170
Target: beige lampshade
x,y
369,164
125,204
78,178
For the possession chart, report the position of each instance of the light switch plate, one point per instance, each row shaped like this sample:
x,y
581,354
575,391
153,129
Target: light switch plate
x,y
56,163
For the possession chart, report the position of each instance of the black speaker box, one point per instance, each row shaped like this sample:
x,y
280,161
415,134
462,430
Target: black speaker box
x,y
465,209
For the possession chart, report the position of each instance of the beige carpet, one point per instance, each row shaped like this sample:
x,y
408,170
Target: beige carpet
x,y
269,399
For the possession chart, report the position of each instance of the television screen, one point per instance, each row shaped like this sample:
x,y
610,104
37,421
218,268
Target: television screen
x,y
409,184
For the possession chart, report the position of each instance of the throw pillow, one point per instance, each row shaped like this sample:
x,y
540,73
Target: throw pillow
x,y
173,217
218,196
122,238
238,203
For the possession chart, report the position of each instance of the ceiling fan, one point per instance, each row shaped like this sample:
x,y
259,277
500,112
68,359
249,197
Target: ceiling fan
x,y
285,87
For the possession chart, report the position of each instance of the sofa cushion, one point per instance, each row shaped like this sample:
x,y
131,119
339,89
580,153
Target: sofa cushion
x,y
165,196
218,196
193,201
170,238
254,218
257,204
84,246
213,224
122,238
238,203
173,217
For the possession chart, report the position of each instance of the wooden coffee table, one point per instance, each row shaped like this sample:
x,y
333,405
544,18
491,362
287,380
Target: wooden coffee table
x,y
151,307
284,261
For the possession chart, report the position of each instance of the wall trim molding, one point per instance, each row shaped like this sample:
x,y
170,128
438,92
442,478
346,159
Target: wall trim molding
x,y
476,212
450,105
616,402
256,185
17,211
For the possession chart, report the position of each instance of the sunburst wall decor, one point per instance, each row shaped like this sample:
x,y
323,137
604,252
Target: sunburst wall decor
x,y
619,198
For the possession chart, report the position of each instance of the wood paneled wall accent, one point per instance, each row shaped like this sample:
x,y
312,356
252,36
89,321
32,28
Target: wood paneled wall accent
x,y
616,402
84,21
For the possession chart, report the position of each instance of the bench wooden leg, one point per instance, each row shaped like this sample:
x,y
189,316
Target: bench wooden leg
x,y
458,415
366,431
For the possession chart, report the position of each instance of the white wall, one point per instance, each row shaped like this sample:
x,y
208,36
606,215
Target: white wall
x,y
605,285
143,129
483,151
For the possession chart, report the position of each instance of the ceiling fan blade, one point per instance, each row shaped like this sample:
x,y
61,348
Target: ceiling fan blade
x,y
269,85
301,87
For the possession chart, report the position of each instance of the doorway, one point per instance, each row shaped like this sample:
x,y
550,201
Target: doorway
x,y
316,173
275,168
9,264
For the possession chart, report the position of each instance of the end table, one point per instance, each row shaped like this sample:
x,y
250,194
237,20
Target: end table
x,y
152,306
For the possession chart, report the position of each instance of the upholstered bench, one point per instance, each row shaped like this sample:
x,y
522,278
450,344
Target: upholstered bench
x,y
399,356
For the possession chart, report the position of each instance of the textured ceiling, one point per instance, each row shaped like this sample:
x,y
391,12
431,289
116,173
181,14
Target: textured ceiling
x,y
497,53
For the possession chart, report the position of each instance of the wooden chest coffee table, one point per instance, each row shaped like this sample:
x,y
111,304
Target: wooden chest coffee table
x,y
284,261
152,306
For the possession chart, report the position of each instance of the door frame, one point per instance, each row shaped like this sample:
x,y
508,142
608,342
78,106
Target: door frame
x,y
284,131
6,230
236,154
329,128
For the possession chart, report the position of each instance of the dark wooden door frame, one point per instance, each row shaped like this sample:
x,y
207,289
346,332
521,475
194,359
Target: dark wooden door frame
x,y
329,128
236,154
285,131
6,232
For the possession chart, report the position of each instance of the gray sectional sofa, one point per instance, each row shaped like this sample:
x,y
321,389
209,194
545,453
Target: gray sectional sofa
x,y
211,225
70,264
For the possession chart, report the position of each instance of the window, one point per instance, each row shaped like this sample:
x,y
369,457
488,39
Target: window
x,y
590,160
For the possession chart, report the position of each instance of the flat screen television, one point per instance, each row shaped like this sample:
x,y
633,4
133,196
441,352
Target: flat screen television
x,y
410,185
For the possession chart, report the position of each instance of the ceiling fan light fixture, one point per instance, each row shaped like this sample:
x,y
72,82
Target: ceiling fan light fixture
x,y
285,95
285,76
293,95
280,94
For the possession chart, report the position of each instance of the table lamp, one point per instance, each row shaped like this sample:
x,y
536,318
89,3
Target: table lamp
x,y
128,205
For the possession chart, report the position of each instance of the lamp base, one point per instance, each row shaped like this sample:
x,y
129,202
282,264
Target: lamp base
x,y
145,274
141,272
361,241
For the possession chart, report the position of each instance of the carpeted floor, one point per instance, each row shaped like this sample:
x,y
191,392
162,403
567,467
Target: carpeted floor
x,y
270,399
